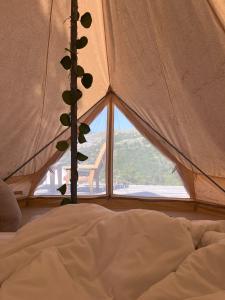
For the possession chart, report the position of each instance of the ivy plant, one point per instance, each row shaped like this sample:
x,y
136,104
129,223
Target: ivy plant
x,y
69,99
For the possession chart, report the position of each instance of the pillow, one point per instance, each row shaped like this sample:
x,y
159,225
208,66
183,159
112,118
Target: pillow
x,y
10,214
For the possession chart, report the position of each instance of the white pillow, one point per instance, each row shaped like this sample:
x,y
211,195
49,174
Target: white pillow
x,y
10,214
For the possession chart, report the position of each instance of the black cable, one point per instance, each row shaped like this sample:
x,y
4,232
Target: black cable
x,y
32,157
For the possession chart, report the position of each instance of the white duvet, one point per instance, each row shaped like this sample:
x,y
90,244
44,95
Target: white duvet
x,y
88,252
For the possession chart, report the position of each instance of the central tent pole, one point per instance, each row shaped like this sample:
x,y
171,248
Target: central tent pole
x,y
73,87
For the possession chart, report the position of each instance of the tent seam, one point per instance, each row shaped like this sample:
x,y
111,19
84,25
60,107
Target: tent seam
x,y
106,46
162,67
44,84
219,22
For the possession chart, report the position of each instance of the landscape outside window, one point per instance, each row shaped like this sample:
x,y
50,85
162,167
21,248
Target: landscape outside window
x,y
91,172
139,169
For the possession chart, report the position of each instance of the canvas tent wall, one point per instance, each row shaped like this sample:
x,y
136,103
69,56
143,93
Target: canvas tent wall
x,y
160,61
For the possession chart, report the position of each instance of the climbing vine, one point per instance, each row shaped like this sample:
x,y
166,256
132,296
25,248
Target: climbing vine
x,y
71,97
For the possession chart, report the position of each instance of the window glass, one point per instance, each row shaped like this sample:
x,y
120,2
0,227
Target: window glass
x,y
91,172
139,169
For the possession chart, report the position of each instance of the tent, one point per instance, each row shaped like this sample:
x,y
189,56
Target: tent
x,y
161,62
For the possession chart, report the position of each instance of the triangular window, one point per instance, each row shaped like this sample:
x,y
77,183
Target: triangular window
x,y
139,169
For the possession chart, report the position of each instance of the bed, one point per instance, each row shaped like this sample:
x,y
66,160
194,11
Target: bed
x,y
87,252
6,237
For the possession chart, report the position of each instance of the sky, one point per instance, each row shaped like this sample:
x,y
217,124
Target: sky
x,y
120,121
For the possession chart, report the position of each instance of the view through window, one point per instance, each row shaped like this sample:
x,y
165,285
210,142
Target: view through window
x,y
91,172
139,169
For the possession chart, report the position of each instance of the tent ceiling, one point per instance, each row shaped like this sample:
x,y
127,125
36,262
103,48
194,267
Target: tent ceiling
x,y
170,69
165,59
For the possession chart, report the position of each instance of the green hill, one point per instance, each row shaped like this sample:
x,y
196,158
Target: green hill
x,y
136,161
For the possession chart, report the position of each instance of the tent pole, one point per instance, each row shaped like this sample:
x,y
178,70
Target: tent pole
x,y
73,88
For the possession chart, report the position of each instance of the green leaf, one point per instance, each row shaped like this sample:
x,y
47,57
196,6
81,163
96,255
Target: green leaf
x,y
80,71
66,62
67,97
87,80
65,119
78,94
82,42
62,189
81,156
66,201
86,20
84,128
62,145
81,138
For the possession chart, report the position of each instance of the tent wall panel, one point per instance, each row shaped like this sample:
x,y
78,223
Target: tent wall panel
x,y
24,38
165,59
207,191
170,70
33,38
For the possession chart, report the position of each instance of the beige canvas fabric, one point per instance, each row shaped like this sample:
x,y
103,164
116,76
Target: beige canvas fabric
x,y
164,59
33,39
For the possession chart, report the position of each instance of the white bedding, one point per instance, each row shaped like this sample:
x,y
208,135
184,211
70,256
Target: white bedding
x,y
5,237
88,252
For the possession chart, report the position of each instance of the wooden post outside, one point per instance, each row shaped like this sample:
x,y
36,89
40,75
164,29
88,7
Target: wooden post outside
x,y
109,151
